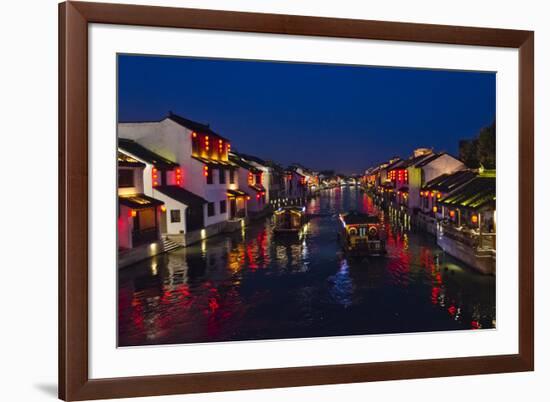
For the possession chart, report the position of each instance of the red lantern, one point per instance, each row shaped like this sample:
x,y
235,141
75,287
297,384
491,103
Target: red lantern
x,y
154,174
178,176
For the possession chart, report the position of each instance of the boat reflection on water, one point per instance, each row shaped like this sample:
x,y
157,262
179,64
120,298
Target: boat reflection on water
x,y
254,284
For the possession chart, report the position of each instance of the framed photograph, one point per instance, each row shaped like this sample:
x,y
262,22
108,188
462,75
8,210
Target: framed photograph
x,y
259,200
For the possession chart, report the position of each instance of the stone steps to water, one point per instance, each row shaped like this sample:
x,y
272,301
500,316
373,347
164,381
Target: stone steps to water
x,y
169,245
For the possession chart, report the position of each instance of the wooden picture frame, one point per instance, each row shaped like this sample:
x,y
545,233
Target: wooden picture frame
x,y
74,381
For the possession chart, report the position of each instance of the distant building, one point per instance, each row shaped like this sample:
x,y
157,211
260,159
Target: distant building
x,y
270,178
251,178
295,186
311,178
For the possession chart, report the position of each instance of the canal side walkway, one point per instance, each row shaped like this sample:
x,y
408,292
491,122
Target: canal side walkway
x,y
468,247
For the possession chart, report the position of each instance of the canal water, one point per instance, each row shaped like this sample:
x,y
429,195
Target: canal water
x,y
252,285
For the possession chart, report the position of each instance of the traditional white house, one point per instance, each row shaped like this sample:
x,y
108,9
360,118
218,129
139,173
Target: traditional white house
x,y
139,215
383,178
311,178
256,193
295,187
267,174
163,179
423,168
203,157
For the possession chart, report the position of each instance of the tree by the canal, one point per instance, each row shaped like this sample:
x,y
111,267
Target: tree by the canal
x,y
480,151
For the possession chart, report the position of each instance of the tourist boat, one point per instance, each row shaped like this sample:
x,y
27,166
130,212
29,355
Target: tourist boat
x,y
362,234
289,219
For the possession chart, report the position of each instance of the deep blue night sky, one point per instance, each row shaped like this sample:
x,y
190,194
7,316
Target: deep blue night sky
x,y
345,118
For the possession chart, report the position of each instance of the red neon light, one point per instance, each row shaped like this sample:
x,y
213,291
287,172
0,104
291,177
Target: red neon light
x,y
206,171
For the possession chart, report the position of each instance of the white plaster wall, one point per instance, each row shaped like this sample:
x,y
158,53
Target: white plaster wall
x,y
170,204
444,164
252,205
266,178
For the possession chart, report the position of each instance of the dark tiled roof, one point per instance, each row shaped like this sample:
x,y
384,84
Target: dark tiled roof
x,y
236,193
193,125
292,169
424,162
374,171
215,162
306,170
182,195
475,194
139,201
448,182
416,159
253,159
394,165
236,159
140,152
128,161
276,167
257,188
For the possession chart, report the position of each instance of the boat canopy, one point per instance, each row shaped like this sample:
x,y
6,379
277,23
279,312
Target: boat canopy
x,y
358,218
